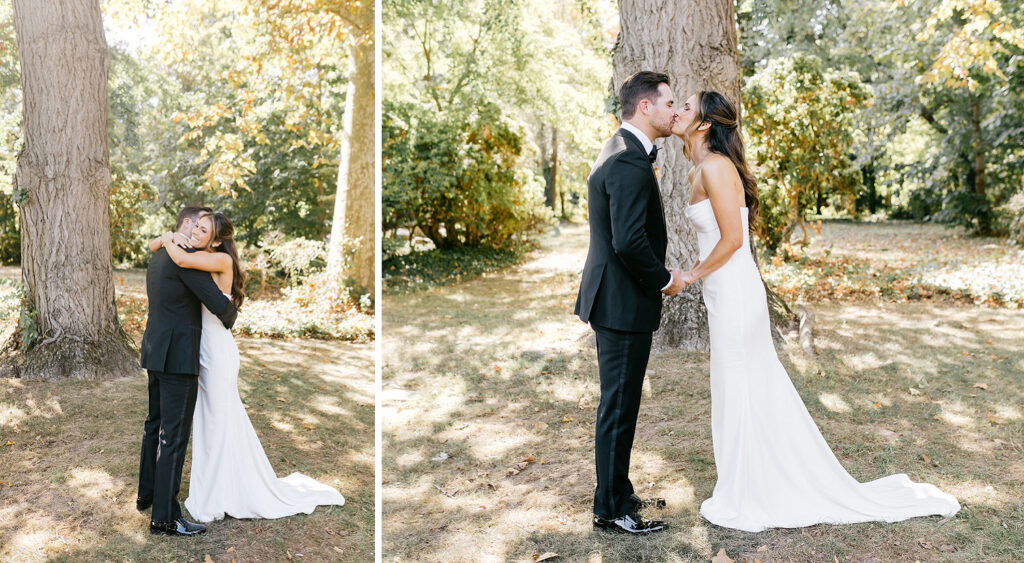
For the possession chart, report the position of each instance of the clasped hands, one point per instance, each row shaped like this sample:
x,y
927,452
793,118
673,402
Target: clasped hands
x,y
680,280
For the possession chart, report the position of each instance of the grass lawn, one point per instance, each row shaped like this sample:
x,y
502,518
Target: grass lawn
x,y
490,392
69,455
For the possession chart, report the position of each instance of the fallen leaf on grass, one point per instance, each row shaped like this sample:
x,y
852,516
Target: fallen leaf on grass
x,y
207,559
231,550
994,420
540,425
981,386
544,556
914,392
722,557
946,548
925,543
566,419
282,399
762,549
928,460
9,443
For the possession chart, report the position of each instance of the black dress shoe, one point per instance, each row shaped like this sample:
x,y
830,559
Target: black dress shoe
x,y
629,524
641,503
179,527
143,503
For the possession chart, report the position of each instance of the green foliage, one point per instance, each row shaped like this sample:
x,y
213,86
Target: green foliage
x,y
455,177
799,121
128,198
10,237
319,308
431,268
473,91
1011,214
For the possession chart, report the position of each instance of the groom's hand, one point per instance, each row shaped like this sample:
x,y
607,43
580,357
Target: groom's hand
x,y
677,284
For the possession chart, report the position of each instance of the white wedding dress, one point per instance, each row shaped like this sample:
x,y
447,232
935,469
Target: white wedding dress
x,y
775,470
231,474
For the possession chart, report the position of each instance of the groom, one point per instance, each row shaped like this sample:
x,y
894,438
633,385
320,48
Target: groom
x,y
170,354
623,282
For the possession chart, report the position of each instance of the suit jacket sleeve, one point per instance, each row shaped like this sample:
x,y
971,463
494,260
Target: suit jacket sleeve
x,y
201,284
629,189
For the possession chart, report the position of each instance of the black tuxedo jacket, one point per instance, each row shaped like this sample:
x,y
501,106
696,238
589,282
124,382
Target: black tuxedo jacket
x,y
625,268
175,323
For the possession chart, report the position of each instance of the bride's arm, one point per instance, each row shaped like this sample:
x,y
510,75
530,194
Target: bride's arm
x,y
720,179
206,261
158,242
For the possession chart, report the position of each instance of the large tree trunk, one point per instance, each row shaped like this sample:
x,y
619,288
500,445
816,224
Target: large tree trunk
x,y
63,172
354,209
694,42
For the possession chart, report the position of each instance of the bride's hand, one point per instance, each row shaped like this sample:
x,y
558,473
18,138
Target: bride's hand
x,y
689,277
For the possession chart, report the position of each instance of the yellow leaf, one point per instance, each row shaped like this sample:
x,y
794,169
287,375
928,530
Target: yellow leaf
x,y
722,557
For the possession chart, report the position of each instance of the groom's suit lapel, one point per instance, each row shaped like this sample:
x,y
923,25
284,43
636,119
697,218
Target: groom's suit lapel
x,y
639,146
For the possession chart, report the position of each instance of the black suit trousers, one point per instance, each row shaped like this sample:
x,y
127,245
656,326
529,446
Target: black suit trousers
x,y
622,362
172,402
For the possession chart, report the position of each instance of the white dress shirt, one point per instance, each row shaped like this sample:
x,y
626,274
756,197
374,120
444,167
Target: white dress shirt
x,y
648,145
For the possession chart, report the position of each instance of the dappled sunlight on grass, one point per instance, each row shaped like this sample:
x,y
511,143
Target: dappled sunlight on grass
x,y
72,468
900,261
498,374
833,402
92,483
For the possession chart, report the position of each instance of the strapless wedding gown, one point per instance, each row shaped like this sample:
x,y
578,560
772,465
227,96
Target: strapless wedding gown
x,y
231,474
775,470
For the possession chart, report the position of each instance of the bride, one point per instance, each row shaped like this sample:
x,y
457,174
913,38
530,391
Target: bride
x,y
231,474
774,468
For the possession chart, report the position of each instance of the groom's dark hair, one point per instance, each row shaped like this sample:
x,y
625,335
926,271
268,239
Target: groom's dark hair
x,y
639,86
191,212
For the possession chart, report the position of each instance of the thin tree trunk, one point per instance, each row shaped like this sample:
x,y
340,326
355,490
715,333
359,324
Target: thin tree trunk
x,y
554,166
979,149
354,209
694,42
63,170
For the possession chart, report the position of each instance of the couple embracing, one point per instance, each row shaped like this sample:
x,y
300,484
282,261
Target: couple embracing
x,y
194,286
775,470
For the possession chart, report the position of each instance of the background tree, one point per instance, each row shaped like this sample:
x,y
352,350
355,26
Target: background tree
x,y
801,131
62,183
477,87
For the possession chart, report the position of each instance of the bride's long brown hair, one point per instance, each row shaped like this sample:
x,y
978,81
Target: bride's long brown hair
x,y
224,233
723,137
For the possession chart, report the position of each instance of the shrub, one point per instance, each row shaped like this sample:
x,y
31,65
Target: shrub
x,y
799,122
457,177
1011,218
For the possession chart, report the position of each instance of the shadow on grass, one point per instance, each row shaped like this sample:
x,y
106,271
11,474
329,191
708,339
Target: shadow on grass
x,y
499,376
73,465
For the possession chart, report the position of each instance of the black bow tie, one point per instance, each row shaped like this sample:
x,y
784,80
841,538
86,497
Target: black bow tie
x,y
653,155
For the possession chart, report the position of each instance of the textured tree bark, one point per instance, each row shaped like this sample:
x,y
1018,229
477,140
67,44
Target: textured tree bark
x,y
694,42
354,207
64,177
